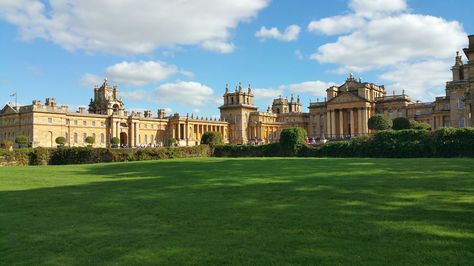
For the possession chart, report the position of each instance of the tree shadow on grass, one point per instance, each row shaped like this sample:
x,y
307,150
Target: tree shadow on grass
x,y
248,211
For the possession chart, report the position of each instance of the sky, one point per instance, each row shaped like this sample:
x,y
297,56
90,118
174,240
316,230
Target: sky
x,y
179,55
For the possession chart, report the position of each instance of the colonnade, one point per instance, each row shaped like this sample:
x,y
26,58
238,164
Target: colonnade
x,y
347,122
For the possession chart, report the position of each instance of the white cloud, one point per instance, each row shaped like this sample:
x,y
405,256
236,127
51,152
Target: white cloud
x,y
291,33
267,93
91,80
337,24
137,95
309,87
409,51
130,26
388,41
140,73
421,80
218,46
375,7
184,92
316,87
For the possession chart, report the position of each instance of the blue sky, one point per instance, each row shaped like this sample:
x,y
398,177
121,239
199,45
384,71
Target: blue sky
x,y
180,54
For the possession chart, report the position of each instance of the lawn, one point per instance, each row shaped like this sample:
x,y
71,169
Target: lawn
x,y
240,211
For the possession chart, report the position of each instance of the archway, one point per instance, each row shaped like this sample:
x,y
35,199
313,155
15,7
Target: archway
x,y
123,139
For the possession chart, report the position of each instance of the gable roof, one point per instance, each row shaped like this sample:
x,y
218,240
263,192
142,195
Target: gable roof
x,y
8,109
346,97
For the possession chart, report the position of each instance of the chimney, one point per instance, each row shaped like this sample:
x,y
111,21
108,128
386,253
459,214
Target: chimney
x,y
82,110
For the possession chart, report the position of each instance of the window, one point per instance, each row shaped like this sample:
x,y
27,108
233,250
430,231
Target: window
x,y
75,122
102,138
67,137
390,112
146,139
93,135
461,122
84,123
399,113
50,120
75,138
418,112
102,124
84,136
93,123
152,139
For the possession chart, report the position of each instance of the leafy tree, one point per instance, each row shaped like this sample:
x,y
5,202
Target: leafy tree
x,y
60,141
291,139
115,142
22,141
400,123
379,122
419,125
212,138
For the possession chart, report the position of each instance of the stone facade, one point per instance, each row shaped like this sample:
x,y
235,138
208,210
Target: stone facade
x,y
343,114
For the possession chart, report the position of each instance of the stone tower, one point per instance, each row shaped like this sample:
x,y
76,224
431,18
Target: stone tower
x,y
106,101
236,110
469,75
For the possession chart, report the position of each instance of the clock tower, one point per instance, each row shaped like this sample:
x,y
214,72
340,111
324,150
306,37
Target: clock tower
x,y
106,101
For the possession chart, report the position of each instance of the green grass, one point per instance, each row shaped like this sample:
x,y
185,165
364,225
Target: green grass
x,y
240,211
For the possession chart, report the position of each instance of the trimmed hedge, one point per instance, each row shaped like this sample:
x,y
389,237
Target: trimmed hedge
x,y
83,155
408,143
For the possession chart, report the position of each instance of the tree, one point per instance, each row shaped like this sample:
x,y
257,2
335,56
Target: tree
x,y
60,141
291,139
212,138
379,122
400,123
115,142
22,141
419,125
90,141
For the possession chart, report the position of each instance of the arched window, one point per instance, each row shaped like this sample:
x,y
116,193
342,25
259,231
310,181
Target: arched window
x,y
102,138
461,103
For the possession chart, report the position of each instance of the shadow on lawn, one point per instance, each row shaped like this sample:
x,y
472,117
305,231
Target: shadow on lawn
x,y
249,211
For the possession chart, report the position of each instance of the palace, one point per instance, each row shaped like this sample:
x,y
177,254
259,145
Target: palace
x,y
343,114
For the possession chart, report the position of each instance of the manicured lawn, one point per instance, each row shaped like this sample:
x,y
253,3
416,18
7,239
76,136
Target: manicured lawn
x,y
240,211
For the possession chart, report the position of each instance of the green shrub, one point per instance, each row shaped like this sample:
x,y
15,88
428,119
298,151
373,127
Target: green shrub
x,y
212,138
6,144
15,158
379,122
90,140
454,142
229,150
60,141
172,142
401,143
22,141
291,139
114,142
400,123
419,125
40,156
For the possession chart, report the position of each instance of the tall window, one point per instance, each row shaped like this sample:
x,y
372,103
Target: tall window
x,y
146,139
461,122
102,138
67,137
84,136
75,138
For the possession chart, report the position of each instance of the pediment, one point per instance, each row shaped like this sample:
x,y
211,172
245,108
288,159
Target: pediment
x,y
346,97
8,109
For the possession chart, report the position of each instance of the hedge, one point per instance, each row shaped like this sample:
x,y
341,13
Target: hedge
x,y
83,155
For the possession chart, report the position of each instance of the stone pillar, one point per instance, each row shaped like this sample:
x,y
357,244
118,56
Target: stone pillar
x,y
341,123
178,137
364,120
132,135
352,123
359,122
333,123
328,124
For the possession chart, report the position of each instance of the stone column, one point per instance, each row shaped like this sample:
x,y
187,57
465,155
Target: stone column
x,y
178,137
333,123
328,124
117,132
341,123
359,122
132,133
352,123
364,120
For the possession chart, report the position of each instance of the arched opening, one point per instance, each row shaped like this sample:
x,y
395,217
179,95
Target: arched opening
x,y
123,139
116,109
